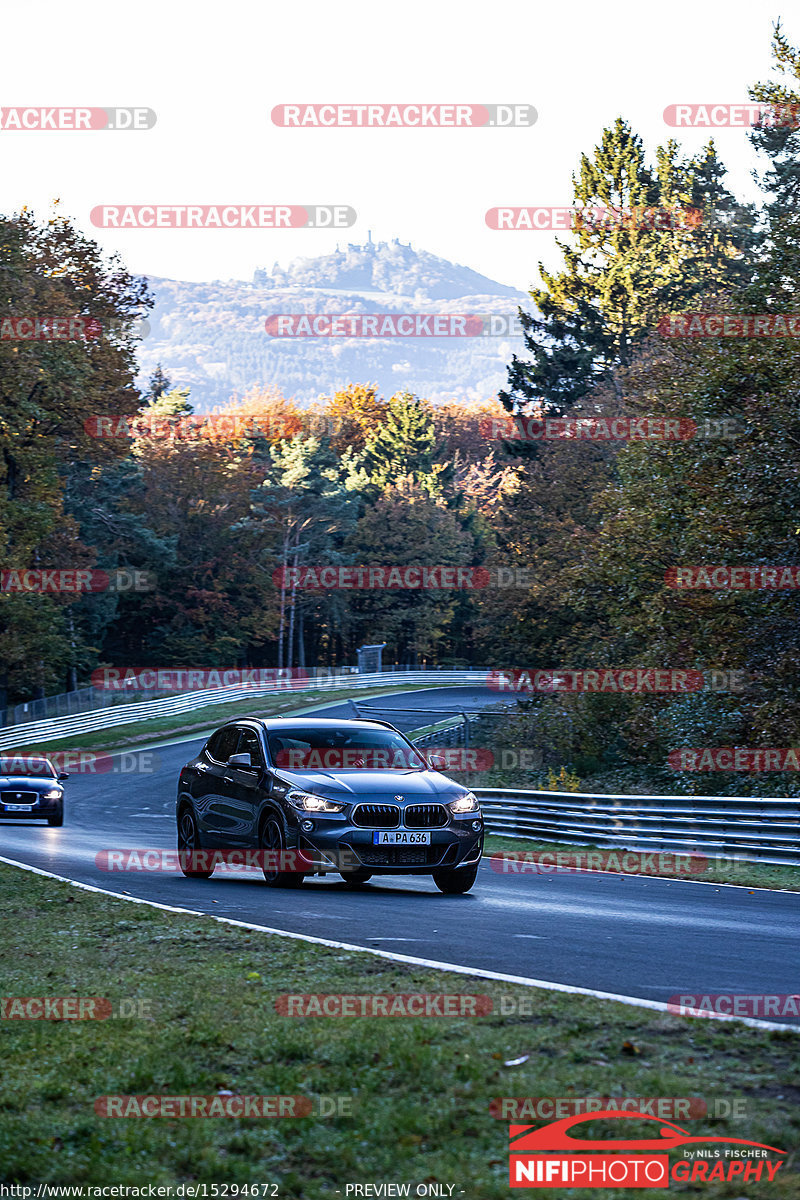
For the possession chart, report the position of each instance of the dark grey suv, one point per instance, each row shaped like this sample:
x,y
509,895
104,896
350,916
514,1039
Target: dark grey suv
x,y
322,795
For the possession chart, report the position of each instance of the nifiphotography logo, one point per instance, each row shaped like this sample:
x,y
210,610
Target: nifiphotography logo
x,y
634,1162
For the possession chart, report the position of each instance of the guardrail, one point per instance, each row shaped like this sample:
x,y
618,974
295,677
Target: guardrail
x,y
39,732
754,829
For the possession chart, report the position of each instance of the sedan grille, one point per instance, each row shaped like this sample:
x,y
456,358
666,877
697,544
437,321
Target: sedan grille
x,y
376,816
425,816
8,797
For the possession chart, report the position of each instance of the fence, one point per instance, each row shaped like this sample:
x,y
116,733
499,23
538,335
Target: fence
x,y
756,829
39,732
752,828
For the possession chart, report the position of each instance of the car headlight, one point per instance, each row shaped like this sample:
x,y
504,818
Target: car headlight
x,y
53,794
465,804
308,803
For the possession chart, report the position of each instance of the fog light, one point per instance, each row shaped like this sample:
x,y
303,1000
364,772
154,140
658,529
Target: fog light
x,y
307,826
476,825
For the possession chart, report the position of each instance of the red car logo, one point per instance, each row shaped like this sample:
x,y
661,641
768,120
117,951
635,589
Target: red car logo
x,y
527,1138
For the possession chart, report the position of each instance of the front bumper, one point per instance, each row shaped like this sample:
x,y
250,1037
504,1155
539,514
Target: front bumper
x,y
349,847
40,810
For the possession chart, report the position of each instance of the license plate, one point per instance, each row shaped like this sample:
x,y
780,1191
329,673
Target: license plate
x,y
400,838
18,807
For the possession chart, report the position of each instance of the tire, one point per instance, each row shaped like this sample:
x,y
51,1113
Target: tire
x,y
454,881
58,817
272,837
189,840
356,876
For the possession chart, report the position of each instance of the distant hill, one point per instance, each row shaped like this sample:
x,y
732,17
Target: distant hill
x,y
211,336
392,268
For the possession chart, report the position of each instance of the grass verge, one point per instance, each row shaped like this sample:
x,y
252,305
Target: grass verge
x,y
725,870
420,1088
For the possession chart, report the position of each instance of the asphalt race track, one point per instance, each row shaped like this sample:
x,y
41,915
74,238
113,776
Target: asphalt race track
x,y
632,936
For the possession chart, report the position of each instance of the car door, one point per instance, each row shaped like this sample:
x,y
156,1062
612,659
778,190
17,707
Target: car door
x,y
214,803
244,787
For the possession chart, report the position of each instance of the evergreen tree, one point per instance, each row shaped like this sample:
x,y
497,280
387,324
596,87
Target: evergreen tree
x,y
656,249
404,445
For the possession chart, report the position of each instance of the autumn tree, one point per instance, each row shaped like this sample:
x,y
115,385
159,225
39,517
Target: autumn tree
x,y
76,360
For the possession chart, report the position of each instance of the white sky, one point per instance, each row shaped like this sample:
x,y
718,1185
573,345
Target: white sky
x,y
214,73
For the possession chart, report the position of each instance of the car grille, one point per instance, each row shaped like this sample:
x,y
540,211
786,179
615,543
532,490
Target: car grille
x,y
425,816
376,816
399,856
9,797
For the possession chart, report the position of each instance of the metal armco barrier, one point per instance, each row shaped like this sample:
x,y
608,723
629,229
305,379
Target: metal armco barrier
x,y
754,829
39,732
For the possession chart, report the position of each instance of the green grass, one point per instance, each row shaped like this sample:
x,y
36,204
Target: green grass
x,y
420,1089
750,875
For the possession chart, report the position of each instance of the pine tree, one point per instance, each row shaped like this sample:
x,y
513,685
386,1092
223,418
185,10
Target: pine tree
x,y
404,445
657,249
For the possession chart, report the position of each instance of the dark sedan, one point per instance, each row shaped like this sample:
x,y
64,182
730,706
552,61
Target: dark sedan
x,y
322,795
31,789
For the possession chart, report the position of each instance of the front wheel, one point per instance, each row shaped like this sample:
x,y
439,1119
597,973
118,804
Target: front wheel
x,y
454,881
189,845
273,841
57,817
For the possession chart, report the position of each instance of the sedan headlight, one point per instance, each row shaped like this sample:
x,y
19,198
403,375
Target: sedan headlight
x,y
464,805
53,794
308,803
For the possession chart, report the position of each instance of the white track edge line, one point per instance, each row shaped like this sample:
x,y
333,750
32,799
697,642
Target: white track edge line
x,y
431,964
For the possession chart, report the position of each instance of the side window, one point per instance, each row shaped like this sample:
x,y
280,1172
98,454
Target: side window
x,y
212,745
249,744
223,744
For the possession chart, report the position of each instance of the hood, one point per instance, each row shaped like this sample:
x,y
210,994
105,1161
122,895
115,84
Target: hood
x,y
29,783
379,786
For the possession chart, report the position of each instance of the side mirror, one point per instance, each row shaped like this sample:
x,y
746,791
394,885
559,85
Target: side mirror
x,y
62,776
436,761
239,760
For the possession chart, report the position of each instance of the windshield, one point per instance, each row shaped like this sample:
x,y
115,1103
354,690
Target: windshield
x,y
21,764
343,749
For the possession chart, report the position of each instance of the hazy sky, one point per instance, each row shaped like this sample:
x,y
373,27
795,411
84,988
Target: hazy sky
x,y
214,74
